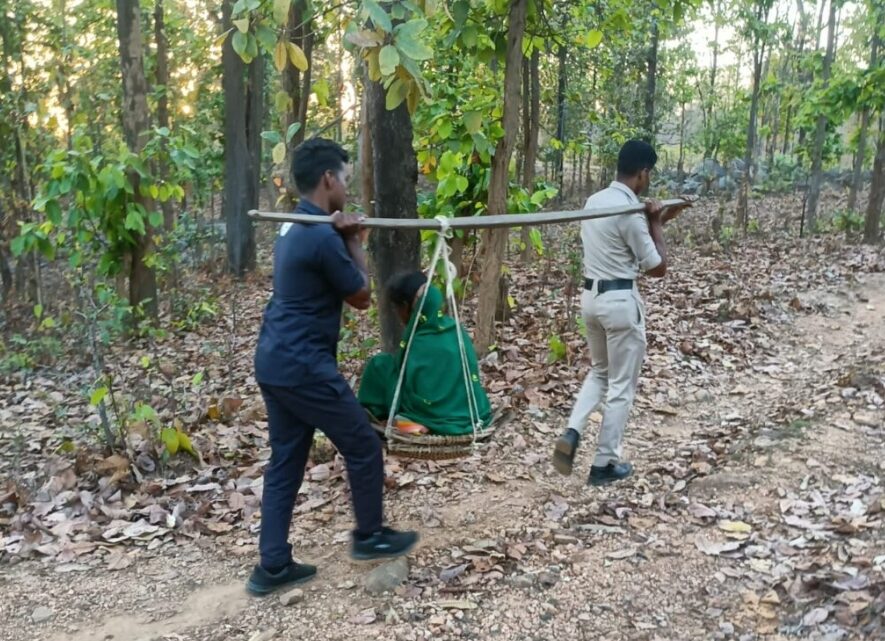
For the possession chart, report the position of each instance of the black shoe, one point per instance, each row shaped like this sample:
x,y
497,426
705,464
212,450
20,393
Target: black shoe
x,y
263,582
564,451
386,544
610,473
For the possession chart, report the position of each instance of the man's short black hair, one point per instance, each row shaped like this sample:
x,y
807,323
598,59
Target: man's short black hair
x,y
312,159
635,156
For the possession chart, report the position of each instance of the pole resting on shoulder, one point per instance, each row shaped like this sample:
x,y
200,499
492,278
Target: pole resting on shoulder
x,y
469,222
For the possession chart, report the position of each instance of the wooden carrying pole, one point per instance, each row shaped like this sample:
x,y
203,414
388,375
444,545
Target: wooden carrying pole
x,y
469,222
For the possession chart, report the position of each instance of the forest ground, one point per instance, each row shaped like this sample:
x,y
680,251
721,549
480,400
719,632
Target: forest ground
x,y
756,511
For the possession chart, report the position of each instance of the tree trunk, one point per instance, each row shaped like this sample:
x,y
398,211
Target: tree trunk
x,y
861,152
367,167
650,83
300,33
744,192
395,181
877,189
562,54
239,193
494,241
820,133
136,123
710,144
680,164
162,80
530,157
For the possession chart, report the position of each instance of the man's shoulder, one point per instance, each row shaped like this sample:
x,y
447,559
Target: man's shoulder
x,y
604,196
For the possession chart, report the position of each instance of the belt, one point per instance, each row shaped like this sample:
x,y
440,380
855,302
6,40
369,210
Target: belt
x,y
603,286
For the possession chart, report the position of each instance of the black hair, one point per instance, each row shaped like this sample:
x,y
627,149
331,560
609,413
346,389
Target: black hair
x,y
635,156
403,286
312,159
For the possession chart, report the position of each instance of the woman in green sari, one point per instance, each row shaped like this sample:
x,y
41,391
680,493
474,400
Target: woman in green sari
x,y
433,392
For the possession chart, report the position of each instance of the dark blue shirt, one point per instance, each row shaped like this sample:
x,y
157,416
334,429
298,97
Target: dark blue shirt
x,y
312,275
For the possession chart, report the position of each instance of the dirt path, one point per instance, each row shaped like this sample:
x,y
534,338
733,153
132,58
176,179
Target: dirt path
x,y
755,496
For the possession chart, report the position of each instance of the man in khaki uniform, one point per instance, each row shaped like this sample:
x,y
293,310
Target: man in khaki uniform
x,y
616,250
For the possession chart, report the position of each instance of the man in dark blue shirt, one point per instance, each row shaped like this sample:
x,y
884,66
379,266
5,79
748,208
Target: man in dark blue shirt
x,y
317,268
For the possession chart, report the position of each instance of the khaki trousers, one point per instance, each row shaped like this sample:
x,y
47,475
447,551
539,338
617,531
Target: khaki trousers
x,y
615,324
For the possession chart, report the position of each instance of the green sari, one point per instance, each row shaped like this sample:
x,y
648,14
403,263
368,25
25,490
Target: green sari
x,y
433,392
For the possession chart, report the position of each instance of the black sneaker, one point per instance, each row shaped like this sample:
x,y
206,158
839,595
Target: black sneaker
x,y
610,473
263,582
386,544
564,451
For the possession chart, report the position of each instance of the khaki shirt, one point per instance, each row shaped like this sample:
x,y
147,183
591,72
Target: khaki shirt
x,y
617,246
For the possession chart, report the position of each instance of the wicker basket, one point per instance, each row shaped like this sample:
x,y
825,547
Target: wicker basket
x,y
433,447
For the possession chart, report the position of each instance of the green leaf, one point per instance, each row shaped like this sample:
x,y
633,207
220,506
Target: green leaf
x,y
412,47
388,59
242,24
98,396
557,349
38,311
292,130
279,152
468,36
460,10
473,122
251,48
378,15
17,246
280,56
296,55
240,42
145,361
281,11
155,219
444,129
321,90
184,443
169,436
281,100
273,137
594,38
266,37
197,379
134,221
396,93
410,29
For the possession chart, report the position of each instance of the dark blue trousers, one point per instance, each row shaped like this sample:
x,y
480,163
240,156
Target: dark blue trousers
x,y
293,414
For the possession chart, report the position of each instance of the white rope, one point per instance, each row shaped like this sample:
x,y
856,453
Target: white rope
x,y
441,251
450,274
391,416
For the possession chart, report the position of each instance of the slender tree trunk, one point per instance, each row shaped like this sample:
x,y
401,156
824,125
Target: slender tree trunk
x,y
239,191
710,144
562,54
680,164
744,192
651,82
861,152
877,189
136,123
530,157
367,168
788,131
300,29
494,241
395,180
162,80
820,133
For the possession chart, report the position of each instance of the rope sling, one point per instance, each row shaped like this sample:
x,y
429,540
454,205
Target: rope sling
x,y
436,446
